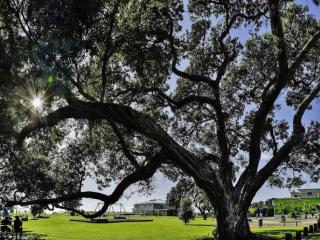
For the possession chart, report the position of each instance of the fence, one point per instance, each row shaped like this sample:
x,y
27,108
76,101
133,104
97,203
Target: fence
x,y
305,233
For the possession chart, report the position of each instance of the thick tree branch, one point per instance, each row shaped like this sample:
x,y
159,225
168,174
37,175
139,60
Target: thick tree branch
x,y
125,148
278,34
81,212
274,140
23,24
192,77
273,91
303,53
65,198
176,103
210,157
283,153
267,104
127,117
143,173
76,83
108,47
228,24
273,94
297,125
191,99
225,165
221,133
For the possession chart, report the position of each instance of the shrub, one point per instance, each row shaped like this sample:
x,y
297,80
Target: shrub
x,y
186,210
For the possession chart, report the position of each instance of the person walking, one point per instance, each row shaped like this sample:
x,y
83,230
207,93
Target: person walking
x,y
17,227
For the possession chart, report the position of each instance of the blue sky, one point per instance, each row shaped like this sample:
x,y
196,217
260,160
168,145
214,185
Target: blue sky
x,y
163,185
312,8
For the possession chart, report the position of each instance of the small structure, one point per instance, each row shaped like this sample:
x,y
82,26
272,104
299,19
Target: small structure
x,y
122,214
306,193
295,194
153,207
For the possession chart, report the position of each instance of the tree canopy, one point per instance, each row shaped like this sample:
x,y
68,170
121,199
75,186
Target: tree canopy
x,y
186,188
124,88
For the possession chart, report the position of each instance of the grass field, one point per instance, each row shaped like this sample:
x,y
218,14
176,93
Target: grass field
x,y
164,228
58,227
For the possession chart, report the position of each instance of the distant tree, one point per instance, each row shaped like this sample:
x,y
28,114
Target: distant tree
x,y
36,210
201,202
186,188
181,190
186,212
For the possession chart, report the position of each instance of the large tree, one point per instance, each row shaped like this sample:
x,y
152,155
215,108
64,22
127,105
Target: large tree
x,y
186,188
150,92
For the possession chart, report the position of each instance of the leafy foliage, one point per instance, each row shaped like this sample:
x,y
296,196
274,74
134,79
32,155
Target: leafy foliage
x,y
127,87
186,211
36,210
186,188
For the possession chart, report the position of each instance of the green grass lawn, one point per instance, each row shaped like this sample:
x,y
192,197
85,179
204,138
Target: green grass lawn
x,y
58,227
276,232
165,228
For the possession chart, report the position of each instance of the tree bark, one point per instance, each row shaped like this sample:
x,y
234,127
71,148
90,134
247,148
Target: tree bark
x,y
231,225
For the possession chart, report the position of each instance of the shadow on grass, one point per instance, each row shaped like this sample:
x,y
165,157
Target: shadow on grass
x,y
267,234
39,217
99,221
203,238
35,236
277,234
201,225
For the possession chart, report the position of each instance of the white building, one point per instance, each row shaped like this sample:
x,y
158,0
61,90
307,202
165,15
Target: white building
x,y
306,193
154,208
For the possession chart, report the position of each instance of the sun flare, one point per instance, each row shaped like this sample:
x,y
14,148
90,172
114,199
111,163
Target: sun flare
x,y
37,102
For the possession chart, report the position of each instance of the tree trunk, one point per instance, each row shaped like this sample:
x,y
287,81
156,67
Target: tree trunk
x,y
202,213
232,226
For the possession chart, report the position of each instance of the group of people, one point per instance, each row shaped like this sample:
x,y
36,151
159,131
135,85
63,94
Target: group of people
x,y
6,226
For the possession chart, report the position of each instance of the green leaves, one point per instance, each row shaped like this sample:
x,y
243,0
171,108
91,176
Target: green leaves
x,y
121,56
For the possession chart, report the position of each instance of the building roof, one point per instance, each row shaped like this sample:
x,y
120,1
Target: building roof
x,y
153,201
309,189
